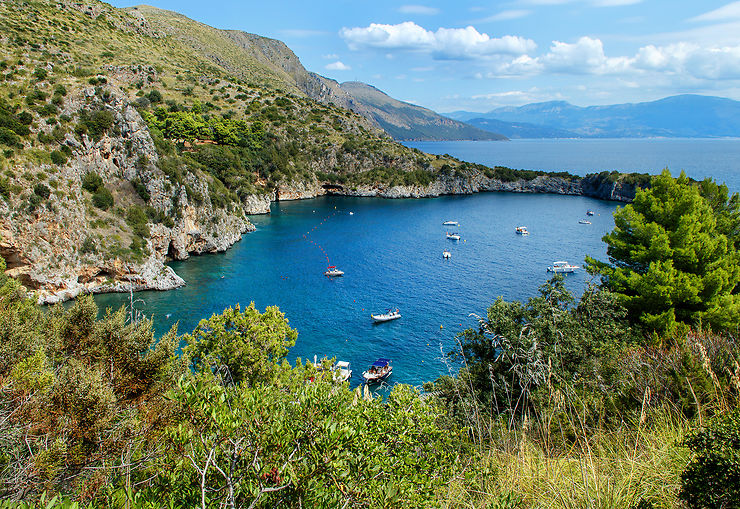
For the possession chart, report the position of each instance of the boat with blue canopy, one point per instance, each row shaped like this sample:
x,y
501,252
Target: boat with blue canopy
x,y
379,371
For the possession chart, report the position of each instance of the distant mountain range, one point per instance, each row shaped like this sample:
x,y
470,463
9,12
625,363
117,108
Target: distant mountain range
x,y
689,116
406,121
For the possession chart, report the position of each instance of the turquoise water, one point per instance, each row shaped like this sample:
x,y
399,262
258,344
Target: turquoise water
x,y
391,252
700,158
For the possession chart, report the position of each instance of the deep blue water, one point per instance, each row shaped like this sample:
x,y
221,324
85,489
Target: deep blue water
x,y
700,158
391,252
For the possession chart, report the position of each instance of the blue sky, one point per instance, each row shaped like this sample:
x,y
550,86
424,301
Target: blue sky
x,y
476,56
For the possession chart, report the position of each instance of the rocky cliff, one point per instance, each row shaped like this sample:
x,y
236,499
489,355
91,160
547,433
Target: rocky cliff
x,y
476,182
66,246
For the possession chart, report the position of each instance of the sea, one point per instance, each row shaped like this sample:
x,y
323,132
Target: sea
x,y
391,253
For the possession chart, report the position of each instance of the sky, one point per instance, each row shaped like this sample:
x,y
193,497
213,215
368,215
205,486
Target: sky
x,y
476,56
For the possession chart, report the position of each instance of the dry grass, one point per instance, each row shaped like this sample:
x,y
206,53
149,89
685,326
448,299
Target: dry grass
x,y
614,469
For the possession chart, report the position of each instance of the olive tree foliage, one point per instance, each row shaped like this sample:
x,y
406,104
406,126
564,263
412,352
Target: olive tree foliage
x,y
81,398
521,351
241,345
304,441
673,255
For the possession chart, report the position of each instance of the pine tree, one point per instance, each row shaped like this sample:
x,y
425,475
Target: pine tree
x,y
673,255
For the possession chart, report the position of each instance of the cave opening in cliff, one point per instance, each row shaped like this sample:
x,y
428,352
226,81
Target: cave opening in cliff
x,y
332,187
171,251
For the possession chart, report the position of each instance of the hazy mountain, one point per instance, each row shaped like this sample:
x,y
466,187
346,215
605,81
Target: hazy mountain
x,y
517,130
406,121
676,116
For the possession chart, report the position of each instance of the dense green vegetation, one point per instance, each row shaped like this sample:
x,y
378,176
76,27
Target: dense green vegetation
x,y
552,402
104,412
673,255
624,398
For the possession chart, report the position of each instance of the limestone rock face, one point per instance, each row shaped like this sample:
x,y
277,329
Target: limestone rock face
x,y
468,184
67,247
258,203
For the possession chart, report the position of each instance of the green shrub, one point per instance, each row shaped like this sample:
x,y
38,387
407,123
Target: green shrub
x,y
40,73
95,123
154,96
41,190
88,246
4,187
58,158
137,219
92,182
141,189
103,199
712,479
9,138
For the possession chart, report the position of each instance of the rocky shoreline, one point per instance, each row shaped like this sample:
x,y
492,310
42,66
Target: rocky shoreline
x,y
68,246
592,186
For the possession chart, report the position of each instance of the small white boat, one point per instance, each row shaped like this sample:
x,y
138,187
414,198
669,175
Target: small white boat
x,y
342,371
332,271
387,316
453,236
451,223
379,371
446,254
562,268
522,230
589,212
584,221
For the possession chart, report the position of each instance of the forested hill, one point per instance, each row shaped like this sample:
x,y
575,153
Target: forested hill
x,y
268,61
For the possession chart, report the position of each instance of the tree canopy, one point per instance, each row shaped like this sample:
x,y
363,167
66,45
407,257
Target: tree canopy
x,y
673,256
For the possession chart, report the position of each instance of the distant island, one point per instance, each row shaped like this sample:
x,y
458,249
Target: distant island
x,y
681,116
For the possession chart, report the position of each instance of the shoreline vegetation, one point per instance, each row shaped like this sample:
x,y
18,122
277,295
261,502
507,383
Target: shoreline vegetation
x,y
130,137
618,399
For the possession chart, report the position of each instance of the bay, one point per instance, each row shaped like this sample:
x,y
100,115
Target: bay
x,y
718,158
391,252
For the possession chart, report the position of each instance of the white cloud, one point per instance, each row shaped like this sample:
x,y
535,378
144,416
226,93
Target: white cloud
x,y
724,13
718,63
445,43
418,9
331,56
337,66
584,57
507,15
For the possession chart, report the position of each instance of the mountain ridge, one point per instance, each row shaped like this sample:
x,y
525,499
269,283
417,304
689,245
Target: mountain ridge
x,y
684,115
273,63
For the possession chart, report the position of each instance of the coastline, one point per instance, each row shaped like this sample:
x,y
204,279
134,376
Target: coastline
x,y
153,274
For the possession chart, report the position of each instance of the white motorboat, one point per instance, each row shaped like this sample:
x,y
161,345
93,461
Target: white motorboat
x,y
562,268
379,371
332,271
522,230
451,223
453,236
584,221
446,254
387,316
589,212
342,371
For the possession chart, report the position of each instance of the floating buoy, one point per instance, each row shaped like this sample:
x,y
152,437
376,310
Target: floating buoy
x,y
441,327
